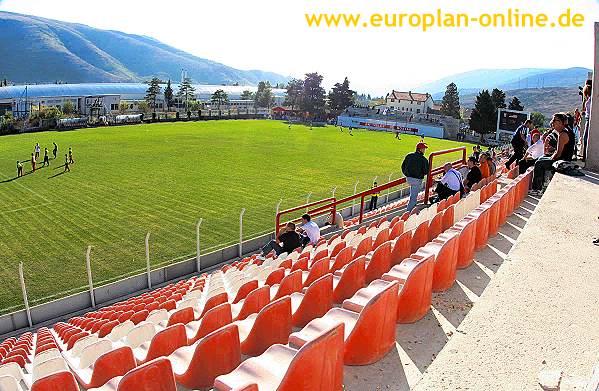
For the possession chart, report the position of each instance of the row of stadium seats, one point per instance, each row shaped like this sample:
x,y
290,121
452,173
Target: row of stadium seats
x,y
251,306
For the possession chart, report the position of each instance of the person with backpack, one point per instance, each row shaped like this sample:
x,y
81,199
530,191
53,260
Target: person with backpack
x,y
519,143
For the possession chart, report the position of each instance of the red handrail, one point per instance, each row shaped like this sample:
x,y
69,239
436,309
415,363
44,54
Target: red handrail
x,y
435,171
314,212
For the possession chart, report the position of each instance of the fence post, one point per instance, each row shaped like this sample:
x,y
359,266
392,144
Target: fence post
x,y
334,191
198,224
388,190
354,200
308,200
148,260
241,232
277,216
24,290
89,276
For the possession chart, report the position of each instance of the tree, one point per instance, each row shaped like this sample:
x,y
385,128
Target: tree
x,y
515,104
69,108
295,91
341,97
483,119
264,96
450,105
186,91
152,92
123,106
219,97
498,98
168,95
313,95
247,95
538,119
143,106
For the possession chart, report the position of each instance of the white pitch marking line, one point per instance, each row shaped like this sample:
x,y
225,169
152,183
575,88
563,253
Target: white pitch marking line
x,y
28,189
25,207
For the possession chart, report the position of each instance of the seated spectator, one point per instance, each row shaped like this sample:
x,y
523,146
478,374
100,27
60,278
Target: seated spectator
x,y
474,175
559,145
339,222
309,231
484,166
535,151
476,152
287,241
450,184
491,163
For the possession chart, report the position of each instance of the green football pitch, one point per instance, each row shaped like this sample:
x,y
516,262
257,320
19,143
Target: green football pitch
x,y
161,178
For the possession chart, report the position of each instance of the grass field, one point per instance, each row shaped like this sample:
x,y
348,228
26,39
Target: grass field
x,y
161,178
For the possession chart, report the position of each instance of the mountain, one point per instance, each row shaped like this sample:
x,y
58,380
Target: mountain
x,y
37,50
507,79
544,100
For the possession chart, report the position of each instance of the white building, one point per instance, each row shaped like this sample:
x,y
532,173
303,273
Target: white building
x,y
412,102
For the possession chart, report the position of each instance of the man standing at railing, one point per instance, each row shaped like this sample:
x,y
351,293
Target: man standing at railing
x,y
374,198
415,168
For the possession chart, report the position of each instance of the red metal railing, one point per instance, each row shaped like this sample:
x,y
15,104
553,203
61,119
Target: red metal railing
x,y
436,171
331,207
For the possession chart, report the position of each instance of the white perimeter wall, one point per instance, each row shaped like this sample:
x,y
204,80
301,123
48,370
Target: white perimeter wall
x,y
391,126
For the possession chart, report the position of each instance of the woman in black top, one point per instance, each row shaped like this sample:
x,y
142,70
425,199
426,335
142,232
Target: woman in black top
x,y
474,175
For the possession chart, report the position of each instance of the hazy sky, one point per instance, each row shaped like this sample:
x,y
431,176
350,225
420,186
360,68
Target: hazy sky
x,y
272,35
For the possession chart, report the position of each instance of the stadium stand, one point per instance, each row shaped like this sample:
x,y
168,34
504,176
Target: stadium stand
x,y
195,331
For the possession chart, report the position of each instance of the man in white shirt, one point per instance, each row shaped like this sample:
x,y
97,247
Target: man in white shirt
x,y
309,231
535,151
451,182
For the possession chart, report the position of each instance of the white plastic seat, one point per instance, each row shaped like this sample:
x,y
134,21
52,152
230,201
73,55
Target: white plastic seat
x,y
9,383
49,367
91,353
121,330
45,356
14,370
141,333
82,343
157,316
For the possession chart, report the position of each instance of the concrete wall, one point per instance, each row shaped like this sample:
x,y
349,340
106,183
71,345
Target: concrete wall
x,y
67,307
391,126
592,162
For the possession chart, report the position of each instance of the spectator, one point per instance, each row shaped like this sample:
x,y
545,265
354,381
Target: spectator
x,y
339,222
491,163
533,152
519,143
287,241
559,145
586,115
415,168
484,166
374,198
450,184
310,233
476,152
474,175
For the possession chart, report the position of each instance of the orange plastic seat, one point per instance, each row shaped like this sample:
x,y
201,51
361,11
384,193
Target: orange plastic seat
x,y
338,247
493,203
364,247
445,250
379,262
197,366
300,264
76,337
466,243
244,290
291,283
401,249
435,226
114,363
271,325
396,228
162,344
59,381
318,365
253,303
320,255
212,320
381,237
341,259
276,276
369,318
168,305
415,293
441,205
481,214
319,268
420,236
348,280
182,316
138,317
212,302
315,302
156,375
448,216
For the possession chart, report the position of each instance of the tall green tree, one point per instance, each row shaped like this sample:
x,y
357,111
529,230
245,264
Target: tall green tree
x,y
168,95
498,98
219,97
264,96
313,101
515,104
152,92
247,95
341,97
295,91
450,105
186,91
483,119
538,119
68,107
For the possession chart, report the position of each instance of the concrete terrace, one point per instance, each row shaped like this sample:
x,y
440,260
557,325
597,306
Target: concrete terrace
x,y
530,302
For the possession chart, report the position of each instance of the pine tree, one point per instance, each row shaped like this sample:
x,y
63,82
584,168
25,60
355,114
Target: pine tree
x,y
219,97
483,119
515,104
264,96
498,98
186,91
341,97
295,91
450,105
247,95
152,92
313,101
168,95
